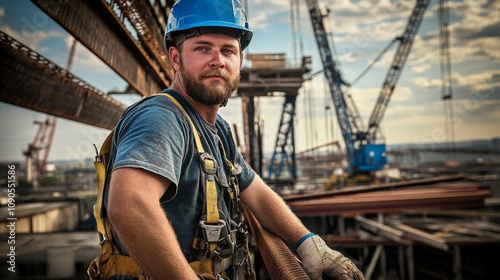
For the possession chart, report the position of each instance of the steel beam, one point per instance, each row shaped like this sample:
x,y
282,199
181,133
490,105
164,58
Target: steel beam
x,y
33,82
149,30
101,31
380,228
267,81
422,236
373,262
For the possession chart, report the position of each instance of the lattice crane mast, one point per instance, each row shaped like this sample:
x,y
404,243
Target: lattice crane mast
x,y
402,53
365,152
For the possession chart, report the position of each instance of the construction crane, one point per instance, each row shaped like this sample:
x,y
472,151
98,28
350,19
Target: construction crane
x,y
365,149
36,165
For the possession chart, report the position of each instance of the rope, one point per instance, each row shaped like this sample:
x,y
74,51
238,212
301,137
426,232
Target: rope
x,y
280,262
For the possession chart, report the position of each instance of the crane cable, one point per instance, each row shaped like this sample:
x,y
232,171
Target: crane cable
x,y
379,56
446,79
309,116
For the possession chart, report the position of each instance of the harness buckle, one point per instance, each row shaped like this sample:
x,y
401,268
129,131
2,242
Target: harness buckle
x,y
205,159
102,238
211,233
226,245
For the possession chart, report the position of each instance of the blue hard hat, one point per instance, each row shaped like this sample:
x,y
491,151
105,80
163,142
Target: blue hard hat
x,y
190,18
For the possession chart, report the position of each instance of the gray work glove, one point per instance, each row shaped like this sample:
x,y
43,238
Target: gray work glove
x,y
321,262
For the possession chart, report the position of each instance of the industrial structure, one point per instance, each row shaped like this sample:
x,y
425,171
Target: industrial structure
x,y
365,148
390,230
270,75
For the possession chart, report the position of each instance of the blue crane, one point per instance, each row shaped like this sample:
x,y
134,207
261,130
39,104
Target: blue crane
x,y
365,149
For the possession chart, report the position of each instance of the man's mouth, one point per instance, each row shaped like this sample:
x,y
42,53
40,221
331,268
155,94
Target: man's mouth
x,y
215,74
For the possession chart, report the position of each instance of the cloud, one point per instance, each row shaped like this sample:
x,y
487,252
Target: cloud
x,y
474,31
86,59
426,82
31,39
361,30
480,19
420,68
259,13
486,80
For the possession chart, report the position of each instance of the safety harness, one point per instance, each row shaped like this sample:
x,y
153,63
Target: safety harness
x,y
220,242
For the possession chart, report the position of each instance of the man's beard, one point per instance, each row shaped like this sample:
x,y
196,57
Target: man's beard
x,y
209,95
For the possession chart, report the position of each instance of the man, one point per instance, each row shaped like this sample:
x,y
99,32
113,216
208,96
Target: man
x,y
157,198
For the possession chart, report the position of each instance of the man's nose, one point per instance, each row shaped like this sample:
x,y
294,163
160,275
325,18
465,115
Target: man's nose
x,y
217,60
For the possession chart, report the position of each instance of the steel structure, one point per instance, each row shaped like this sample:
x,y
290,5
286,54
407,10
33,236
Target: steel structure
x,y
284,153
102,28
269,75
30,80
400,58
125,35
366,152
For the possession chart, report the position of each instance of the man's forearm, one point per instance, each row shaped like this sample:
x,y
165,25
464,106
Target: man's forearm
x,y
273,213
282,221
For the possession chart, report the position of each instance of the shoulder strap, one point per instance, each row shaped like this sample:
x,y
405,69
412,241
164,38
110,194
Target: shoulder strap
x,y
212,226
197,138
208,166
100,163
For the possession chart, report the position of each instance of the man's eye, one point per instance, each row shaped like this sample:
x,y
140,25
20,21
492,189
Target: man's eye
x,y
202,49
227,51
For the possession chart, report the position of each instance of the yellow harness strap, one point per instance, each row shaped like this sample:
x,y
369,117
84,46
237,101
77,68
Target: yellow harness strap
x,y
110,262
235,192
204,266
100,180
211,190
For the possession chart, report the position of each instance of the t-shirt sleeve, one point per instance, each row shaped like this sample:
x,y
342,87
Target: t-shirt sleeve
x,y
152,138
247,174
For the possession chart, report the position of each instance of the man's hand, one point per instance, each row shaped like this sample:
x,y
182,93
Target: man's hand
x,y
321,262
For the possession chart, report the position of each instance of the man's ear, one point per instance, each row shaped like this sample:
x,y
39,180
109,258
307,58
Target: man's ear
x,y
241,60
174,56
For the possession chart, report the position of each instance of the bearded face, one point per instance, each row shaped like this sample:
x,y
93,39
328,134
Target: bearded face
x,y
217,92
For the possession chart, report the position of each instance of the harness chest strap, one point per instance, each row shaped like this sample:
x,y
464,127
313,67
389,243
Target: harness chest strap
x,y
208,168
212,225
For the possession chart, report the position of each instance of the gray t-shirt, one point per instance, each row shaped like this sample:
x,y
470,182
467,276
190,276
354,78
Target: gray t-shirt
x,y
153,134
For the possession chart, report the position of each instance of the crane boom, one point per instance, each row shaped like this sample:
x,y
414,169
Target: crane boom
x,y
333,77
392,77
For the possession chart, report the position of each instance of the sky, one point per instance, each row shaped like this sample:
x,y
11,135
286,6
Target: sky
x,y
360,31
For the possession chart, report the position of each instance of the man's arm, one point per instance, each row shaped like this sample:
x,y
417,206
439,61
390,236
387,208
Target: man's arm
x,y
272,212
319,261
141,224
